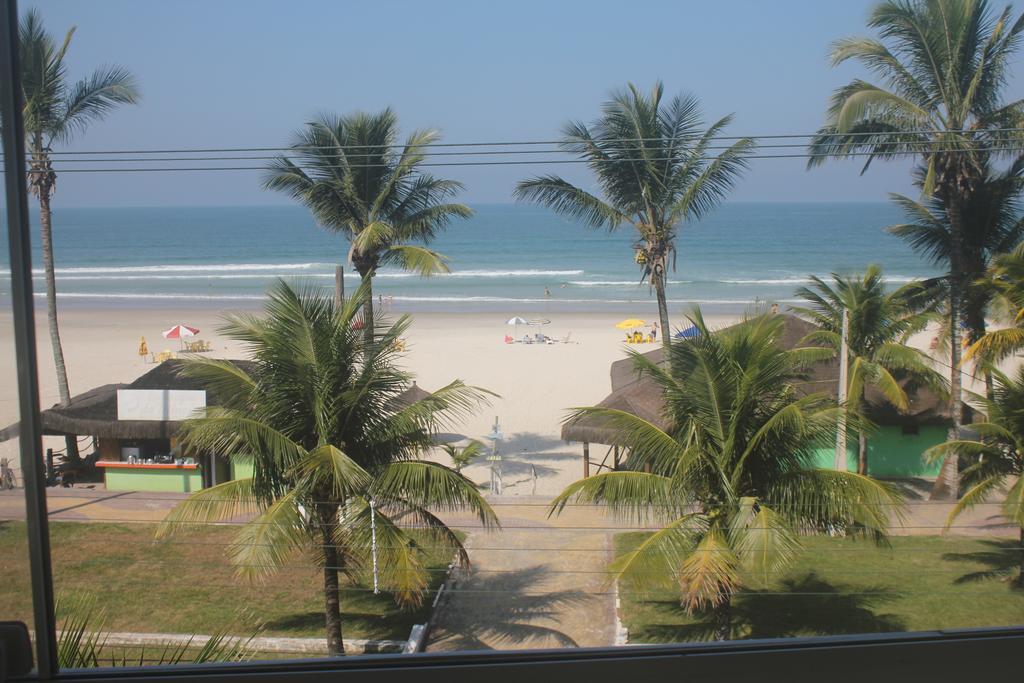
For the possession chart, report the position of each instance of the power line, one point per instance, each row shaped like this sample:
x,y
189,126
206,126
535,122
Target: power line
x,y
972,145
509,162
911,135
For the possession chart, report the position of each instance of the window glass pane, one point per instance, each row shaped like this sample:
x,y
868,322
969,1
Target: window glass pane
x,y
329,379
15,578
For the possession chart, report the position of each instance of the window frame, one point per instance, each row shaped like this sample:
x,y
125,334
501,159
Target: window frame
x,y
925,656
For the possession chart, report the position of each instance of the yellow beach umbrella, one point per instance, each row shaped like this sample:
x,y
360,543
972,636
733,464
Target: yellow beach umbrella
x,y
143,348
630,323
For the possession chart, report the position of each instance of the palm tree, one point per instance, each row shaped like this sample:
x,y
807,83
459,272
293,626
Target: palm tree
x,y
656,172
54,111
732,482
994,212
880,322
943,67
998,455
463,456
1005,283
335,450
352,175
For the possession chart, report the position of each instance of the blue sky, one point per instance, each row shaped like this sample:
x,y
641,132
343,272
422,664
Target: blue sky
x,y
237,74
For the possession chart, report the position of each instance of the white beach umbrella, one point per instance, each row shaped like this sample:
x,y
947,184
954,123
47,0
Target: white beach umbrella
x,y
517,321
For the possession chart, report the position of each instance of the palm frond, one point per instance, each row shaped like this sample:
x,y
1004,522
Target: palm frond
x,y
216,503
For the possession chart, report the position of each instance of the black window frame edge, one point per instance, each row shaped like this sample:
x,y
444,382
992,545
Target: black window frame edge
x,y
30,442
925,656
904,657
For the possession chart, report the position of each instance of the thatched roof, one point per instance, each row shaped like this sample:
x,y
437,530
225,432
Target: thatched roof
x,y
643,397
94,413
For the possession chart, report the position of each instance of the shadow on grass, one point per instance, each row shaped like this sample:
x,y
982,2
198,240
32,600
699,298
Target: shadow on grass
x,y
806,606
1001,559
502,610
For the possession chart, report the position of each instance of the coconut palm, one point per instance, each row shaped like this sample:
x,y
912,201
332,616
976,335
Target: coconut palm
x,y
654,165
55,109
880,322
996,216
732,482
463,456
942,67
355,178
335,450
1004,282
998,455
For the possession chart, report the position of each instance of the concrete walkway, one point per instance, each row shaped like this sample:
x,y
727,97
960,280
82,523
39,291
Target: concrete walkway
x,y
536,583
82,504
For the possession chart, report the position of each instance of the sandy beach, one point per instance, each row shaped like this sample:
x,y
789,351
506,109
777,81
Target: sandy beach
x,y
535,383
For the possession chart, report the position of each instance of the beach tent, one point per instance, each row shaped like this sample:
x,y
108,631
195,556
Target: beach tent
x,y
689,333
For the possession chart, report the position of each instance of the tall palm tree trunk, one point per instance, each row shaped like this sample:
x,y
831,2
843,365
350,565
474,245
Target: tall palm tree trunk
x,y
723,620
1020,555
862,453
366,272
332,592
947,483
659,290
46,242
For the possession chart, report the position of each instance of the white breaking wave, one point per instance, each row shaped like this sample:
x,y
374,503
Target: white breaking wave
x,y
183,268
806,281
510,273
244,271
770,281
411,299
621,283
157,295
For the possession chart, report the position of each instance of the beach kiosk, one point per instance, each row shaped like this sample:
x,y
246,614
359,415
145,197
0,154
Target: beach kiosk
x,y
895,446
135,428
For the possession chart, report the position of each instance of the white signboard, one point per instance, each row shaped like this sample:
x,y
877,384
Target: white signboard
x,y
158,404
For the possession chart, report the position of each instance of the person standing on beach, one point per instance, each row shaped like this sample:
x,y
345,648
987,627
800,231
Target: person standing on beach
x,y
654,332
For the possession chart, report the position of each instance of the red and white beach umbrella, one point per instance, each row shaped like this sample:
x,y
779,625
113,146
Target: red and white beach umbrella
x,y
180,331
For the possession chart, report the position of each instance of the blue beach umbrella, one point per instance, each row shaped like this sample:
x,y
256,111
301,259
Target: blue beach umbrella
x,y
689,333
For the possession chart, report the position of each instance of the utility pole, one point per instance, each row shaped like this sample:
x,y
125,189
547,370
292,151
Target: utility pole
x,y
339,287
495,459
844,361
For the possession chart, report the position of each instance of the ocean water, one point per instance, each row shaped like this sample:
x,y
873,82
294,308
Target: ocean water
x,y
504,258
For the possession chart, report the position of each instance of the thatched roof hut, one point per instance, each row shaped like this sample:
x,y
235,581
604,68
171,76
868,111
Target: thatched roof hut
x,y
94,412
642,397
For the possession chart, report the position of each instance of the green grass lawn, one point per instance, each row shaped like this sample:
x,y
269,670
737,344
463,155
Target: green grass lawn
x,y
841,586
187,585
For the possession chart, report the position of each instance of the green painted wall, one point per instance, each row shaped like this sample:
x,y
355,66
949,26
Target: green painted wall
x,y
241,467
177,481
891,453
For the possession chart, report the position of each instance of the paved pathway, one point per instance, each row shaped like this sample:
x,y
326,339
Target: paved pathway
x,y
536,583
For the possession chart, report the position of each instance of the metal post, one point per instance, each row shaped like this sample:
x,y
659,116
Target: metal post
x,y
339,287
30,432
844,361
586,459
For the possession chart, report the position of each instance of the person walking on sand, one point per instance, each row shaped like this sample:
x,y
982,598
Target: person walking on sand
x,y
654,332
